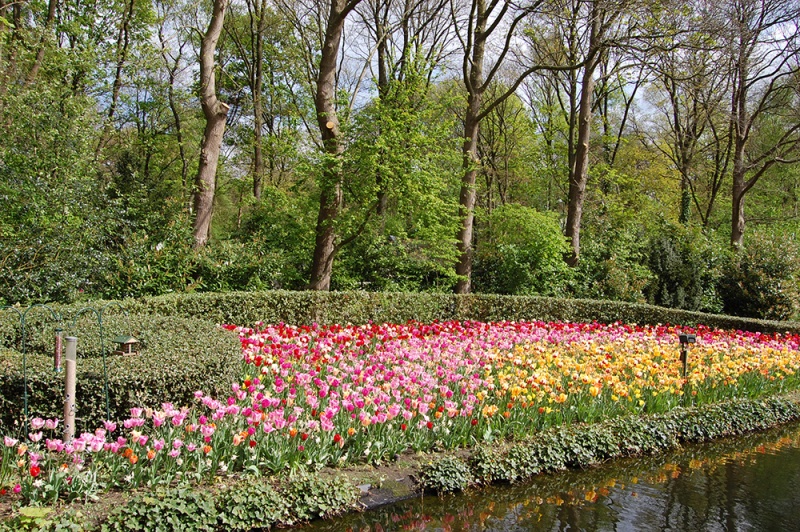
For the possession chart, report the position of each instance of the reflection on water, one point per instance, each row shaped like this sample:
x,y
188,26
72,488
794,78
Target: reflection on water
x,y
751,483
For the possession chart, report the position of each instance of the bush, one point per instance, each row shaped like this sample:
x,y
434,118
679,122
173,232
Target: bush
x,y
310,496
612,263
39,519
685,265
448,474
390,260
253,504
522,252
247,308
165,510
178,357
761,280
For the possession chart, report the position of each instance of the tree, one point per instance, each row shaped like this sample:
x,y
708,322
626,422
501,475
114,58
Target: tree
x,y
400,33
215,112
486,24
331,193
690,91
763,41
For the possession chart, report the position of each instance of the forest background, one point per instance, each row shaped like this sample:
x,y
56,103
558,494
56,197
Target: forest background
x,y
635,150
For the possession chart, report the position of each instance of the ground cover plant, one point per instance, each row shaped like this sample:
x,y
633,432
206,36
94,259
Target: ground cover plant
x,y
311,396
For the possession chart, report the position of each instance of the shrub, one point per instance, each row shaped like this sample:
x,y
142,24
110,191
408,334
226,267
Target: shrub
x,y
252,504
310,496
448,474
761,280
247,308
390,260
613,261
179,356
165,510
685,265
40,519
522,252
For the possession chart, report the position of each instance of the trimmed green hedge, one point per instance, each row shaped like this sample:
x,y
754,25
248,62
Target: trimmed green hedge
x,y
247,308
178,357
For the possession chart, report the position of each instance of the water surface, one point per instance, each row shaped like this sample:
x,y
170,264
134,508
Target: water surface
x,y
749,483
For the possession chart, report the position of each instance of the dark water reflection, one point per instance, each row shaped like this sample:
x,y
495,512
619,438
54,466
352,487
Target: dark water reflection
x,y
751,483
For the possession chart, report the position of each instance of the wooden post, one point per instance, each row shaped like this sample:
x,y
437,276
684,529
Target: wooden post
x,y
70,366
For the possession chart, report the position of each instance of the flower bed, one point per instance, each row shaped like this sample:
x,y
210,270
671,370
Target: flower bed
x,y
314,396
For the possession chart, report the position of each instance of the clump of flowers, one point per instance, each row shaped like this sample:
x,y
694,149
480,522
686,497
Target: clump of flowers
x,y
313,395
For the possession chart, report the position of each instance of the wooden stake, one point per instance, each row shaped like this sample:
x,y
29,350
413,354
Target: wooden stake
x,y
70,367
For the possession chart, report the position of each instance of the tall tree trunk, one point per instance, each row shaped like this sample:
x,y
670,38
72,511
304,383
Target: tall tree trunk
x,y
331,196
473,74
740,188
580,175
468,194
380,15
258,101
215,113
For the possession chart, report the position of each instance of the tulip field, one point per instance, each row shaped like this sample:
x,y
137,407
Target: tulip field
x,y
327,395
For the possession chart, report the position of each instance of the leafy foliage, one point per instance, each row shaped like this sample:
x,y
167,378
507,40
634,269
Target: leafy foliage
x,y
522,253
251,504
449,474
42,519
761,280
360,307
685,265
178,357
165,509
612,261
310,496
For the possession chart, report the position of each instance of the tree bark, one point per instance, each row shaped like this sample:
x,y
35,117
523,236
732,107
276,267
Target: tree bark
x,y
737,205
468,191
473,79
215,113
258,101
580,174
331,196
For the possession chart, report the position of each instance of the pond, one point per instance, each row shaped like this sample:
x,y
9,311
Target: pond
x,y
749,483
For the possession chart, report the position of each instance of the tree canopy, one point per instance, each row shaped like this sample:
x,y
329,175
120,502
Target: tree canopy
x,y
623,149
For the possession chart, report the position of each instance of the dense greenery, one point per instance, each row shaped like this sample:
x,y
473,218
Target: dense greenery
x,y
102,125
250,504
177,357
